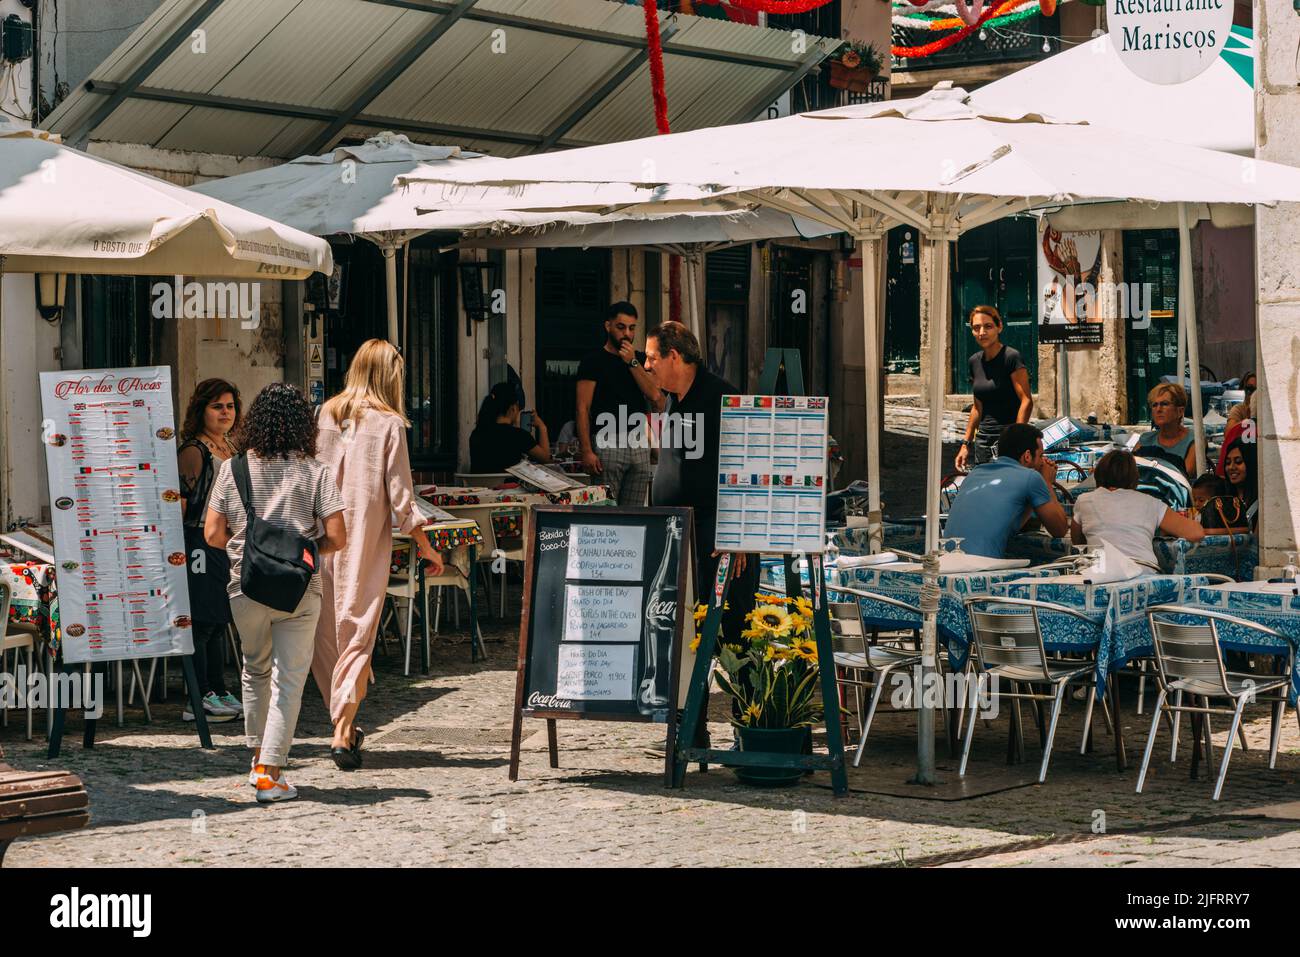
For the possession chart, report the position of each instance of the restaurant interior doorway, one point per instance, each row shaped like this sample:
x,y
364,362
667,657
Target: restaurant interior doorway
x,y
572,296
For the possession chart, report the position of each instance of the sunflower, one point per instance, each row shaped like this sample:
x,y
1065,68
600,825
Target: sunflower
x,y
772,599
804,649
771,620
801,623
701,612
751,714
695,645
804,607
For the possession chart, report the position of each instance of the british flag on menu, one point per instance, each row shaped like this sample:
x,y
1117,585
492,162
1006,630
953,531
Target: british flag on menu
x,y
110,447
772,474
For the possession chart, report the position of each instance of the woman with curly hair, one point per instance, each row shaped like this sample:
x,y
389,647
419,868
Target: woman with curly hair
x,y
362,435
290,491
212,414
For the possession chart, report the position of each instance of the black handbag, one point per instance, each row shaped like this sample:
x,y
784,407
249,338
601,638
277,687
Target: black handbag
x,y
1224,511
278,563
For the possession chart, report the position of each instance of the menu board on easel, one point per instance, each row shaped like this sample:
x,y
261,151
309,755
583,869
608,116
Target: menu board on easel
x,y
772,474
119,545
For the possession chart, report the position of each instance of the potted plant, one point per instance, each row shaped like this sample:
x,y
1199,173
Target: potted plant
x,y
855,66
772,683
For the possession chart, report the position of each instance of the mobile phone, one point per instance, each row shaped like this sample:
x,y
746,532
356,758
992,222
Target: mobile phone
x,y
526,420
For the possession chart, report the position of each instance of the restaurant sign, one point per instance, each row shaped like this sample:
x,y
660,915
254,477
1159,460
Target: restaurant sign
x,y
1169,41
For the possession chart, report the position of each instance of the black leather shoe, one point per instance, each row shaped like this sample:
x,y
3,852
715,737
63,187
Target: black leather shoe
x,y
345,758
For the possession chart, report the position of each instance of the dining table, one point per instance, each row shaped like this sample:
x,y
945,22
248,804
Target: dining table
x,y
458,541
1116,631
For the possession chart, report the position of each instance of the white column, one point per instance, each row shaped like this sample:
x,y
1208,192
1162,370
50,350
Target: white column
x,y
868,253
1187,329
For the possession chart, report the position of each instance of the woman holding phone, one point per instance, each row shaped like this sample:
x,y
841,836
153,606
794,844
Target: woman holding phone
x,y
498,441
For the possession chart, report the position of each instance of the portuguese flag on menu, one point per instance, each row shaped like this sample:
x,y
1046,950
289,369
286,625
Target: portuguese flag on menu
x,y
762,402
731,401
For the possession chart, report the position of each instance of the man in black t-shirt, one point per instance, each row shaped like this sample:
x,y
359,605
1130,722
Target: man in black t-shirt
x,y
615,393
687,473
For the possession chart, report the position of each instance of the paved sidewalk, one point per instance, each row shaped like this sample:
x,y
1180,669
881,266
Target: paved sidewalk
x,y
435,791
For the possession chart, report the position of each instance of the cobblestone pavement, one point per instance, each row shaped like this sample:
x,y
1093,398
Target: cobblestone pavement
x,y
435,791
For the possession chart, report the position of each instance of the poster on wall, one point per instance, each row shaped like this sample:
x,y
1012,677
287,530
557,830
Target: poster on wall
x,y
119,547
1068,269
772,474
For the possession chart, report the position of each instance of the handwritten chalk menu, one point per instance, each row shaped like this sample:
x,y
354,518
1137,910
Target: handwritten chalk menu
x,y
110,448
772,474
606,605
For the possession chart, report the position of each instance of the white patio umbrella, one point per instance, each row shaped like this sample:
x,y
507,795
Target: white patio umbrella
x,y
351,190
1215,109
689,235
65,211
936,163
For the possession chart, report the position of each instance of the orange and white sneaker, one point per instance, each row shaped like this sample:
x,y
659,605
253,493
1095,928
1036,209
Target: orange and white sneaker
x,y
270,790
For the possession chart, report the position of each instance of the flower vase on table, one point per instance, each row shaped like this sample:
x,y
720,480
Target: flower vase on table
x,y
772,681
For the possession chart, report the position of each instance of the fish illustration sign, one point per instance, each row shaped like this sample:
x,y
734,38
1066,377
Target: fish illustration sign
x,y
1169,41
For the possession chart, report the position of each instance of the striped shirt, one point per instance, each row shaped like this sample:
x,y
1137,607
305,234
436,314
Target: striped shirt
x,y
293,492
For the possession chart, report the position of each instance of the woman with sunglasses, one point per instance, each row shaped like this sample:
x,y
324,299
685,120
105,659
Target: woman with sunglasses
x,y
1000,383
1169,440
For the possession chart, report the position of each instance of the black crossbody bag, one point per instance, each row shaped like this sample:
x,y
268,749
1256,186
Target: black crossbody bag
x,y
278,563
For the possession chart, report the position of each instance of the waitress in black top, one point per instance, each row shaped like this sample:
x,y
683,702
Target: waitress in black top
x,y
497,441
211,416
1000,383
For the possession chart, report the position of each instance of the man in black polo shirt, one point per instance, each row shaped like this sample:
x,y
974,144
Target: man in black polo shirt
x,y
687,473
615,393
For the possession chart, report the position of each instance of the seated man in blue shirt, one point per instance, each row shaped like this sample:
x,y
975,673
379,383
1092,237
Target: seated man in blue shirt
x,y
996,499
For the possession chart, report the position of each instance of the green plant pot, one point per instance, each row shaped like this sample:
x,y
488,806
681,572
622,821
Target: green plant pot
x,y
772,741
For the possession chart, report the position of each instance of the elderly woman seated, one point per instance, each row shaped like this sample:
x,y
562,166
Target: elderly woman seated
x,y
1125,518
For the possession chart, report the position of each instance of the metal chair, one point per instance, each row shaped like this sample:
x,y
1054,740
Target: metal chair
x,y
15,640
483,479
407,588
855,654
1215,579
1189,659
1008,645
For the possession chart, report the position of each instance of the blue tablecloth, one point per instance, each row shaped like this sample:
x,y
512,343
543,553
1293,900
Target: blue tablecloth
x,y
1118,609
1279,610
903,585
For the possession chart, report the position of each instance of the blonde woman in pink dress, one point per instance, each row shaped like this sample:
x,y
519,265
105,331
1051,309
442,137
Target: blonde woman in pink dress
x,y
362,441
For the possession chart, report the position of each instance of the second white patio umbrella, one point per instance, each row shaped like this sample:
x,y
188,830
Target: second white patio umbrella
x,y
936,163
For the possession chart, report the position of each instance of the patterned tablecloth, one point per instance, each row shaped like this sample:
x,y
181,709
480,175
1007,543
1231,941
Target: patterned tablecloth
x,y
1275,606
1233,555
904,584
34,597
452,539
1119,609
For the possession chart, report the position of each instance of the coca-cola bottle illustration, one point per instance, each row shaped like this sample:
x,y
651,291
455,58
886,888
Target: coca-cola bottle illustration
x,y
660,620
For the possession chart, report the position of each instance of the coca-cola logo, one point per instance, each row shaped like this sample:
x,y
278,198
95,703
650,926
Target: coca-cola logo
x,y
658,610
539,700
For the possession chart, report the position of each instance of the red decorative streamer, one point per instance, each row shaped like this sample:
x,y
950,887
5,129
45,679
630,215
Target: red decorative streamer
x,y
656,47
782,6
943,44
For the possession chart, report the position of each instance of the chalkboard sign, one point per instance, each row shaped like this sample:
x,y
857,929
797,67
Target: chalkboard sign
x,y
606,603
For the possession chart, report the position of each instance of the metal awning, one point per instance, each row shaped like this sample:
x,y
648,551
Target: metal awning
x,y
290,77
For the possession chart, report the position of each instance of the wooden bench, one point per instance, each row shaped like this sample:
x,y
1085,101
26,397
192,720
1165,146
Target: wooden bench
x,y
39,802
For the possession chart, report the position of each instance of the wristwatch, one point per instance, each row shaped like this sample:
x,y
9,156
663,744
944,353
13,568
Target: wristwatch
x,y
634,364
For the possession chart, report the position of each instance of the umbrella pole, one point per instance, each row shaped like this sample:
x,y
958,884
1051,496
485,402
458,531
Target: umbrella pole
x,y
692,270
867,248
1063,379
390,283
1187,330
936,321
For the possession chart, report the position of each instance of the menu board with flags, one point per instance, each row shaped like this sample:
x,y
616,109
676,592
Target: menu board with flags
x,y
772,474
119,545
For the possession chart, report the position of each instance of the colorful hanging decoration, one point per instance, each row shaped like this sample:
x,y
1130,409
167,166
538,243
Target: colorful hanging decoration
x,y
962,16
779,6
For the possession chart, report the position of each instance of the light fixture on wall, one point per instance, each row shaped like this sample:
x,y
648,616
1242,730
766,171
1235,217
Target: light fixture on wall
x,y
478,284
51,293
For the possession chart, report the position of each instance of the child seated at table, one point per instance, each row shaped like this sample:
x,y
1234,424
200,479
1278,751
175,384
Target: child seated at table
x,y
996,499
1207,486
1116,513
